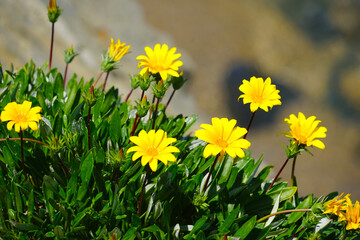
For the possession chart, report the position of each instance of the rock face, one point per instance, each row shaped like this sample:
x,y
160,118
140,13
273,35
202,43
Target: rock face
x,y
309,49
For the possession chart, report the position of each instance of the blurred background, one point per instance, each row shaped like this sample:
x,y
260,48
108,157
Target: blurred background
x,y
310,49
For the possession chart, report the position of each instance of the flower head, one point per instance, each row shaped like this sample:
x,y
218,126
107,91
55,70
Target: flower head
x,y
223,137
21,115
336,206
153,146
118,50
351,215
52,5
160,60
305,130
259,94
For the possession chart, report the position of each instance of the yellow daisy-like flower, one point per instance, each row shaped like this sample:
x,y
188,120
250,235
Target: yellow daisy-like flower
x,y
259,94
160,60
153,146
336,206
223,137
21,115
118,50
352,215
305,130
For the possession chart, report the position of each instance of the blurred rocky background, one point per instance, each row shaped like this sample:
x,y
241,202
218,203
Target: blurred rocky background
x,y
310,49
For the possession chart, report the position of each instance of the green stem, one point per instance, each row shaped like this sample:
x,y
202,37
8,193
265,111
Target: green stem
x,y
293,172
88,128
283,212
249,125
208,177
142,192
22,153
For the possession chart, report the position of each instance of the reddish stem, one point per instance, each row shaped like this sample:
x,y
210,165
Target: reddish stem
x,y
208,177
142,192
65,74
106,78
249,125
155,113
277,175
127,98
51,44
171,96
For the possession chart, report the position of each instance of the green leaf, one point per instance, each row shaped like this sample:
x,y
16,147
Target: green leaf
x,y
130,234
286,193
295,216
115,128
246,228
224,227
228,163
85,175
199,223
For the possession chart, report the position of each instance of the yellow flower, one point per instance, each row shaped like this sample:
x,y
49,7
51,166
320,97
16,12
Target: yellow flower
x,y
223,137
153,146
259,94
160,60
305,130
21,115
118,50
336,206
352,215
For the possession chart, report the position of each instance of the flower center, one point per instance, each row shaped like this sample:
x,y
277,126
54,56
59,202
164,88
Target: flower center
x,y
21,118
152,151
258,99
159,67
222,143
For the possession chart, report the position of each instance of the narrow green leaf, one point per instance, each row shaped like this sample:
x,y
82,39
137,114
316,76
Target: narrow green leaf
x,y
224,227
199,223
246,228
228,163
85,175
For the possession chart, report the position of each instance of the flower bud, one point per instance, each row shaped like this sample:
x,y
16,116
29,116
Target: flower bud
x,y
145,81
53,11
69,54
160,89
142,107
135,81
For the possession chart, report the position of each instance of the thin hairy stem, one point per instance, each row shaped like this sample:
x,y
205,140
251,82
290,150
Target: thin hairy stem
x,y
97,79
129,94
155,113
284,212
25,139
293,172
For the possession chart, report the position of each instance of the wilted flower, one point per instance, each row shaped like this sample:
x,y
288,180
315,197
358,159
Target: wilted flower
x,y
153,146
259,94
21,115
222,137
160,60
305,130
